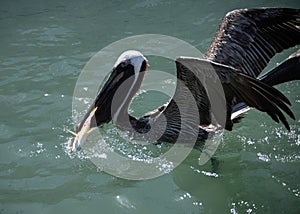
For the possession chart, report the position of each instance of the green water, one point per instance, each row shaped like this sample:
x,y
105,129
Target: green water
x,y
43,47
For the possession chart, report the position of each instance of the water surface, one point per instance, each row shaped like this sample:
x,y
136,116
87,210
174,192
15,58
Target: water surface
x,y
44,46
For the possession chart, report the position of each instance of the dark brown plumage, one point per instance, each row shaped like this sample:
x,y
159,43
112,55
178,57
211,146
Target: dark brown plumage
x,y
248,38
242,47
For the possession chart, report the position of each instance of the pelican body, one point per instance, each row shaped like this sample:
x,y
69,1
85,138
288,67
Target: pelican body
x,y
242,47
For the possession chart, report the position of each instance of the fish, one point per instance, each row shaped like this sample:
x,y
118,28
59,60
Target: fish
x,y
82,135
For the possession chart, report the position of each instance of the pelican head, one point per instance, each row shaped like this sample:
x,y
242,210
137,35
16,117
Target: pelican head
x,y
115,96
125,79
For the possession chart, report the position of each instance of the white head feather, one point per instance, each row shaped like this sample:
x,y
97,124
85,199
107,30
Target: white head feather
x,y
133,57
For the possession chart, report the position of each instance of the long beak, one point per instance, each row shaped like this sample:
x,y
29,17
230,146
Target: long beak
x,y
102,102
101,109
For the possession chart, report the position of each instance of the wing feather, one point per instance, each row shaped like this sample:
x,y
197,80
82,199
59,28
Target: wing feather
x,y
248,38
238,87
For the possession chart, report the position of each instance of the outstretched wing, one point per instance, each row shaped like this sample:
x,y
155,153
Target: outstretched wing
x,y
248,38
237,87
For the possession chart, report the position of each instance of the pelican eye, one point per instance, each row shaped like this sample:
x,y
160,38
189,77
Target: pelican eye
x,y
123,64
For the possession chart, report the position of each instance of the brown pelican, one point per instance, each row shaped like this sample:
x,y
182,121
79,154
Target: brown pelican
x,y
242,47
